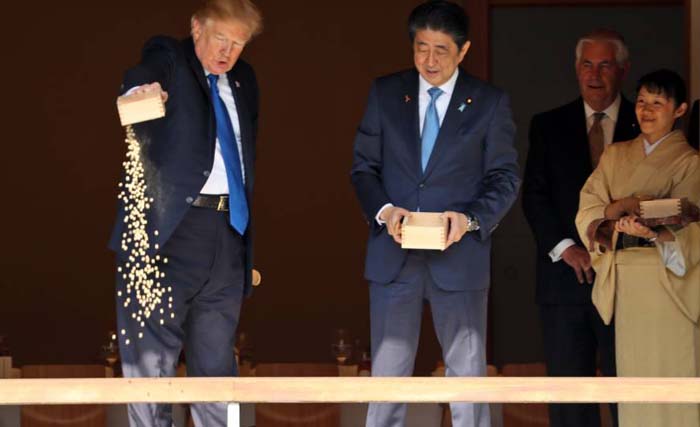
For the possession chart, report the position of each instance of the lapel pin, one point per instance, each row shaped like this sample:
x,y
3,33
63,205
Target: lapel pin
x,y
464,105
238,85
406,99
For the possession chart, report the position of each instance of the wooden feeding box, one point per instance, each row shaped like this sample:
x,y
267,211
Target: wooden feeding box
x,y
424,230
140,107
660,208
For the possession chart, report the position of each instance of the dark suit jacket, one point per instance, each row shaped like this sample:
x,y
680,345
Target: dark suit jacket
x,y
558,164
473,169
694,126
178,150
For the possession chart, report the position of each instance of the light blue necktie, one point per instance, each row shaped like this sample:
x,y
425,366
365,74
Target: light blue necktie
x,y
431,127
238,205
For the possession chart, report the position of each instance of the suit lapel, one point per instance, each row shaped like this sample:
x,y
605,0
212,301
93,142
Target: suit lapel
x,y
577,131
410,124
454,116
198,72
626,127
196,67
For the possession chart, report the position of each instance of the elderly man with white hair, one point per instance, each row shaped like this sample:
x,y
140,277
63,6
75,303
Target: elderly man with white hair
x,y
565,146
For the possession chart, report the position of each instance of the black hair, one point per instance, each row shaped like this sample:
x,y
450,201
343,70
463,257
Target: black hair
x,y
440,15
664,82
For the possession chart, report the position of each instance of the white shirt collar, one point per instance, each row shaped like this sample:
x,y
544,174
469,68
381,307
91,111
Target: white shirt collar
x,y
649,147
448,87
611,112
222,76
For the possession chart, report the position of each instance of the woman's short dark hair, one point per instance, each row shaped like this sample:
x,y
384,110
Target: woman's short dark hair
x,y
664,82
440,15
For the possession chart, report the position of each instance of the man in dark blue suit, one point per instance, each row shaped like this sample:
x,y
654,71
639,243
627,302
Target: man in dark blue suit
x,y
198,166
433,139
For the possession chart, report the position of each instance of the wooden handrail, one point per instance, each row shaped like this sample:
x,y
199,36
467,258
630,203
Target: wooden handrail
x,y
345,389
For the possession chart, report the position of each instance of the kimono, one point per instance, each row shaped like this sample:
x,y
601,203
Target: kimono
x,y
656,308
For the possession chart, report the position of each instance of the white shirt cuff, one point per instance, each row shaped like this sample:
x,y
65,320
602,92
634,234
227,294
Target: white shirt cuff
x,y
672,257
130,91
379,214
559,249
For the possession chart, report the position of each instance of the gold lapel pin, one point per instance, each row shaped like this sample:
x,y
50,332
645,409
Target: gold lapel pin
x,y
406,99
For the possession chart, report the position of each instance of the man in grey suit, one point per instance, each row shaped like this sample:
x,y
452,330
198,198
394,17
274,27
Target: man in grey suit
x,y
433,139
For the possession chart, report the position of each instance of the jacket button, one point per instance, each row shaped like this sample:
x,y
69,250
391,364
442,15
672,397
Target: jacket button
x,y
206,173
189,200
421,185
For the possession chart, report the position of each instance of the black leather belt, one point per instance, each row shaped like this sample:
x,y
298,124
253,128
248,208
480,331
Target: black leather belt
x,y
220,203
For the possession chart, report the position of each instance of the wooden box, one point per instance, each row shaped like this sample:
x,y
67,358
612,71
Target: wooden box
x,y
424,230
140,107
660,208
668,212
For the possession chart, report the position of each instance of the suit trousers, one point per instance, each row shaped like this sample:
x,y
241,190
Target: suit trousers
x,y
205,270
576,341
460,324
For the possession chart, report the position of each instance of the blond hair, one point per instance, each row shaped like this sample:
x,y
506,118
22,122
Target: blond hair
x,y
242,11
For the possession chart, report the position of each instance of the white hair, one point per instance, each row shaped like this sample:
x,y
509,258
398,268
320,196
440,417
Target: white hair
x,y
622,54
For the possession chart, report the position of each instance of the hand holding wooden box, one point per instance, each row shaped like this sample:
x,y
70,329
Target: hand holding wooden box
x,y
140,107
424,230
668,212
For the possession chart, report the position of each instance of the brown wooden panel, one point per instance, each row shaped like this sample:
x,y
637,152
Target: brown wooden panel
x,y
497,3
525,414
478,59
63,415
296,415
688,54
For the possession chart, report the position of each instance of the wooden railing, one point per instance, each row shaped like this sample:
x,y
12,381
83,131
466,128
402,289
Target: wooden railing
x,y
347,389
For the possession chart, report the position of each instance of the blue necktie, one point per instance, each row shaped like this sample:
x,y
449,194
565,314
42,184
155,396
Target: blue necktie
x,y
431,127
238,205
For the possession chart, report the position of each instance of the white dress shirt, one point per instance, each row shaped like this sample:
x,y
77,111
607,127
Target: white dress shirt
x,y
441,105
217,182
607,123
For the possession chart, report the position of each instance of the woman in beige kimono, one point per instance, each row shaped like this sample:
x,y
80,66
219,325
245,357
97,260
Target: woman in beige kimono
x,y
648,277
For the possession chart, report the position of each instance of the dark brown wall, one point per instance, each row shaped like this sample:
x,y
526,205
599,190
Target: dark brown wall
x,y
62,148
63,152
